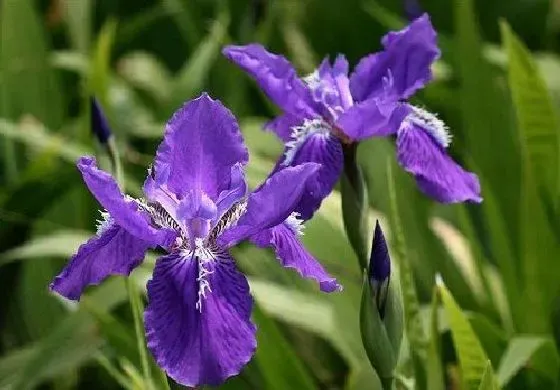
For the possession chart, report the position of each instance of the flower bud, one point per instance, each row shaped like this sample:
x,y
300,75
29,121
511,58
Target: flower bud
x,y
379,272
99,125
381,312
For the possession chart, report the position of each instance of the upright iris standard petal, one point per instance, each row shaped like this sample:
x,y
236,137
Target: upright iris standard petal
x,y
202,142
199,346
319,148
406,60
276,76
437,175
125,212
292,254
271,204
113,252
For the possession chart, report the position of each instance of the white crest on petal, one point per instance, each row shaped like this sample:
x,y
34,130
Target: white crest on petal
x,y
301,133
295,223
432,124
104,223
312,80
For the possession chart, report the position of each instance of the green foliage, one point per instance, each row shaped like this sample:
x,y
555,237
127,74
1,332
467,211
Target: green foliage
x,y
496,89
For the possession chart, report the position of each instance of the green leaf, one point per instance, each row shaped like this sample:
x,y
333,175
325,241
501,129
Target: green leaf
x,y
472,358
435,374
415,331
68,346
145,71
184,16
101,62
312,313
62,243
536,118
485,118
519,354
27,77
280,366
195,71
36,136
488,381
78,19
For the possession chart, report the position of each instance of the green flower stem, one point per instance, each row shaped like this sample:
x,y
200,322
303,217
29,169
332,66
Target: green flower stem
x,y
355,205
133,294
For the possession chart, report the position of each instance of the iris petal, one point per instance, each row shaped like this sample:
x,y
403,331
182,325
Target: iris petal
x,y
276,76
325,150
437,175
125,212
195,345
113,252
402,67
271,204
292,254
202,143
283,126
372,118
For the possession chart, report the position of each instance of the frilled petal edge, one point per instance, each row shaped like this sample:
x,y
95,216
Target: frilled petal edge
x,y
437,175
292,254
113,252
199,345
276,76
403,67
123,210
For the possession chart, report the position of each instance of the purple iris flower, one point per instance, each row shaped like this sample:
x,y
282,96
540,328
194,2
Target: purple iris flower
x,y
196,207
327,110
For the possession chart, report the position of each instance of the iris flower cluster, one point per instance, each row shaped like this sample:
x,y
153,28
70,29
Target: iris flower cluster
x,y
197,206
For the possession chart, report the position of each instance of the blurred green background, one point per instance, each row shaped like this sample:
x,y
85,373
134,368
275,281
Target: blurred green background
x,y
497,86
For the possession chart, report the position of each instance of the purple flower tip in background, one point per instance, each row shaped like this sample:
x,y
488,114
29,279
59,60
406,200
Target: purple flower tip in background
x,y
99,125
330,108
379,271
412,9
196,206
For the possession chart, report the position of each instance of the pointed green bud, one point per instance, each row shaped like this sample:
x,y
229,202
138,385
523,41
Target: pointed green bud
x,y
381,311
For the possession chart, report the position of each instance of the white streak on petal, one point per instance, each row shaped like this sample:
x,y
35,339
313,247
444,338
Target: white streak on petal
x,y
432,124
301,133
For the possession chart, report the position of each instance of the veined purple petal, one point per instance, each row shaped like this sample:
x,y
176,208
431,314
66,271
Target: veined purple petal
x,y
113,252
437,175
292,254
276,77
340,75
402,67
199,345
323,149
372,118
125,212
236,190
202,142
283,126
271,204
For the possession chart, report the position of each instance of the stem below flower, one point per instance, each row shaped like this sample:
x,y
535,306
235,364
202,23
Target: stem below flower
x,y
355,205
